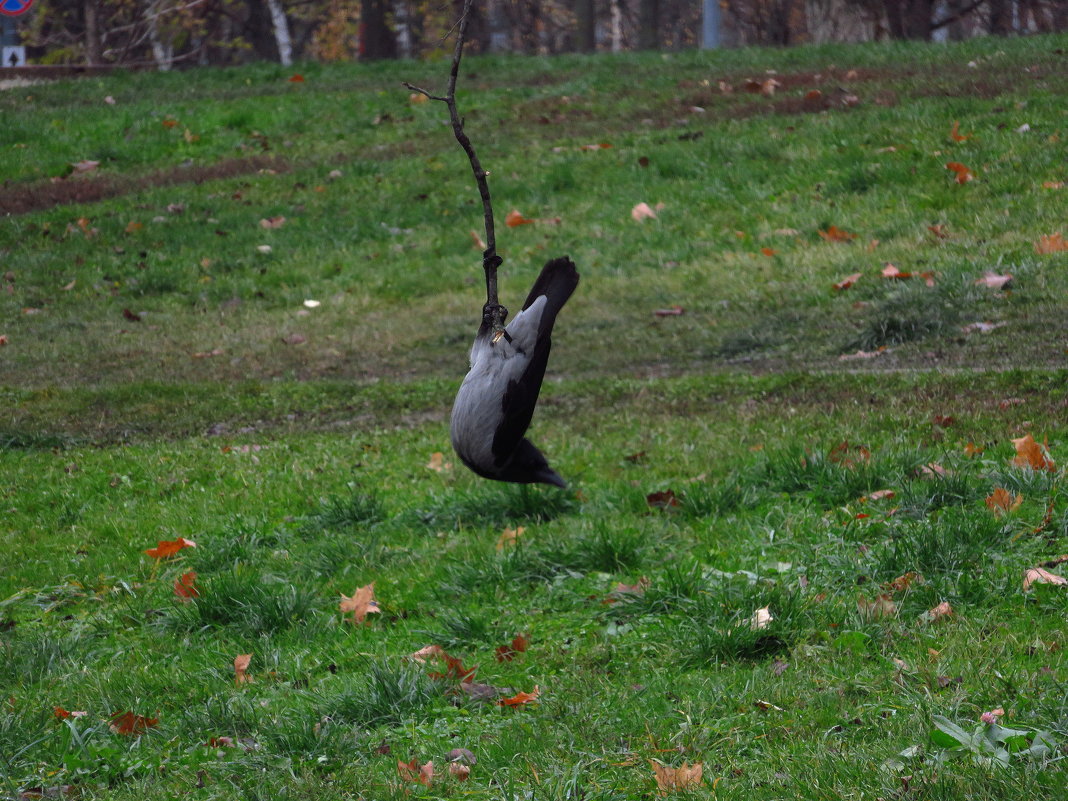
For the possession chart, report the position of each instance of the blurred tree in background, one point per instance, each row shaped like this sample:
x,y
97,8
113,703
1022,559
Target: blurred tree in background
x,y
173,33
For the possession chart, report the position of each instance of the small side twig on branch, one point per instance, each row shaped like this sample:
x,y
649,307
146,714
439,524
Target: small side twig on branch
x,y
490,260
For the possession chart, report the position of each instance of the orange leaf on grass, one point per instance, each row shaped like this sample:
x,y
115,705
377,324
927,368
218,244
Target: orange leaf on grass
x,y
769,252
846,282
510,536
902,583
955,133
519,699
130,724
62,713
414,772
848,455
1054,243
836,234
1001,501
1030,453
296,78
514,219
241,663
477,240
963,174
361,603
165,548
185,587
684,777
937,613
506,653
437,462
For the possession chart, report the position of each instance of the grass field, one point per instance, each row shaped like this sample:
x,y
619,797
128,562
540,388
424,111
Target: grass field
x,y
827,457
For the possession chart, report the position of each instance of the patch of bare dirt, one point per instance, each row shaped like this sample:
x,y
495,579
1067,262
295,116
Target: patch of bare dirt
x,y
39,195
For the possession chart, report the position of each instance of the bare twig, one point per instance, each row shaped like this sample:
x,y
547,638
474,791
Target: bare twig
x,y
490,260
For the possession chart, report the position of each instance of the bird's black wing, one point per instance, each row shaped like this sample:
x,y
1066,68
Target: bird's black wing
x,y
518,402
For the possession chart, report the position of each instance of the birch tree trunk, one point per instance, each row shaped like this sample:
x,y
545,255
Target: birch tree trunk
x,y
281,32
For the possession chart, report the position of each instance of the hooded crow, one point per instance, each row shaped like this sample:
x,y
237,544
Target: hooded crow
x,y
496,400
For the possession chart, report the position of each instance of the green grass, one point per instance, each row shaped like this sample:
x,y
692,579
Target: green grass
x,y
301,470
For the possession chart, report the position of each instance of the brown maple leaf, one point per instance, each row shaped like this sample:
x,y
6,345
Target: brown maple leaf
x,y
519,699
1030,453
684,777
506,653
1054,243
130,724
361,603
882,606
1001,501
963,174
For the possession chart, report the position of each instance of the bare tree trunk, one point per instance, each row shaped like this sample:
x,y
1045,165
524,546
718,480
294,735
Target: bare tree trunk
x,y
93,47
376,39
281,32
1000,20
585,26
909,19
162,53
617,26
648,24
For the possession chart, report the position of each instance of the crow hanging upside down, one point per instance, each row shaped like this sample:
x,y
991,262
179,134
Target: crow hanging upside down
x,y
497,398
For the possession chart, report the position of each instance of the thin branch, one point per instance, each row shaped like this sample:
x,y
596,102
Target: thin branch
x,y
490,260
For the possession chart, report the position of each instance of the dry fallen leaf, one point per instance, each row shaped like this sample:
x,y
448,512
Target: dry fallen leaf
x,y
1054,243
1039,575
882,606
241,663
185,587
963,174
459,771
514,219
414,772
477,240
836,234
846,282
664,499
519,699
273,222
1030,453
937,613
673,311
165,548
130,724
361,603
993,280
955,133
1001,501
510,536
437,462
60,712
506,653
902,583
760,619
684,777
642,211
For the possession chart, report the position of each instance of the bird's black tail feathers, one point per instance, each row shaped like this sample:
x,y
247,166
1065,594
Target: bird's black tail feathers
x,y
557,281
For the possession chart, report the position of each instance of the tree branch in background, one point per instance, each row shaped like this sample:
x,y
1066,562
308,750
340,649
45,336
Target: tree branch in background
x,y
490,260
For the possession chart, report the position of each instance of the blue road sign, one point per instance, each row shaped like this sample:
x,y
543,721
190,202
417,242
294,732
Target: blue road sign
x,y
12,8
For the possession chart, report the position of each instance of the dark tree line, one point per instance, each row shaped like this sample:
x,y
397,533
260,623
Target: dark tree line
x,y
170,33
